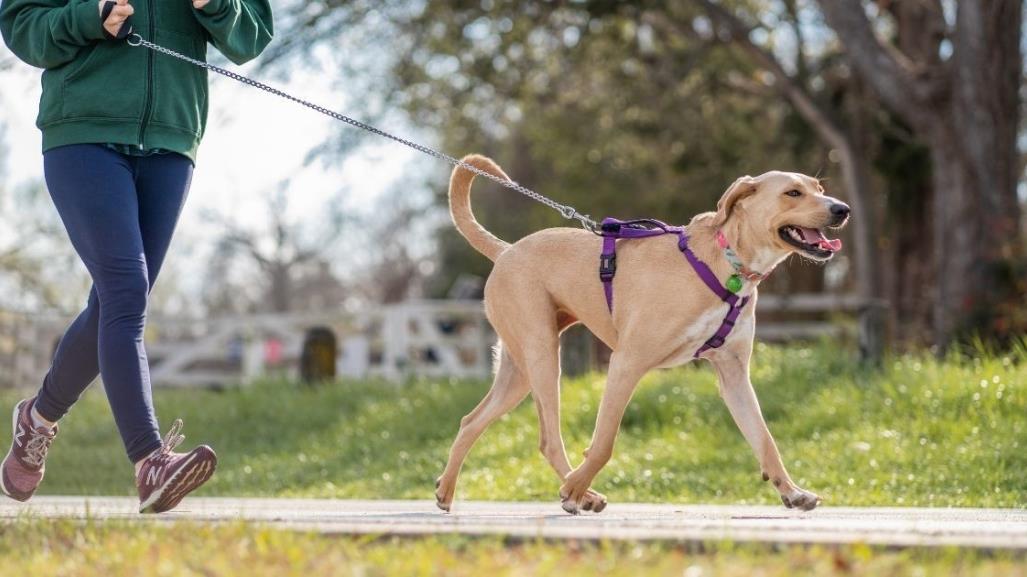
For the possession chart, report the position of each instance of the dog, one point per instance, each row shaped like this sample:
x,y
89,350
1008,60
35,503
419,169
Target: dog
x,y
547,282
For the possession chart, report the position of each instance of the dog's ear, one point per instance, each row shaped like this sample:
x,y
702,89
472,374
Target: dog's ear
x,y
739,189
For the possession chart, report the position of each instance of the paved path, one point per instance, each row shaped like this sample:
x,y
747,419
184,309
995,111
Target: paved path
x,y
992,528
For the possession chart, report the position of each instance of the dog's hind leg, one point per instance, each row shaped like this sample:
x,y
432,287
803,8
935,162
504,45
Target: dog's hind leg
x,y
508,389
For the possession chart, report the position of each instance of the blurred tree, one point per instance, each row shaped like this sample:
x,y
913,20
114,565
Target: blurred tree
x,y
38,267
281,267
649,108
953,73
396,262
588,102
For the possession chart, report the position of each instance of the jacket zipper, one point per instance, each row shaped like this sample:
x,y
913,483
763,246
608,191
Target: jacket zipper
x,y
147,102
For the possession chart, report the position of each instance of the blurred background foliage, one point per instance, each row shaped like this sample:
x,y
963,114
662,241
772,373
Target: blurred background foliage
x,y
652,108
910,109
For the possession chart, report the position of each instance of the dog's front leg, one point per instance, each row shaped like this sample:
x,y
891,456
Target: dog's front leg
x,y
737,392
621,381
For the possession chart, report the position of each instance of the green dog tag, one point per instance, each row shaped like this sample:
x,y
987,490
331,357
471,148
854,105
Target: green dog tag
x,y
734,283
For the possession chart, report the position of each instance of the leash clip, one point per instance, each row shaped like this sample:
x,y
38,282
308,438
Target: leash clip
x,y
571,213
568,212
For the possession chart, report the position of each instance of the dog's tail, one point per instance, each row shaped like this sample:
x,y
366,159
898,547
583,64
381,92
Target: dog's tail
x,y
460,206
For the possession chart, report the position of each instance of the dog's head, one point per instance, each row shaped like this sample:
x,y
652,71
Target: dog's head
x,y
787,211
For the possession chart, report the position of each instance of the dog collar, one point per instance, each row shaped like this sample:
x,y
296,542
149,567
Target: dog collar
x,y
734,282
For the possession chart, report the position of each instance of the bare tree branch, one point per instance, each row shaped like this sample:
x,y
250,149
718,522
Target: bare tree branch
x,y
801,66
888,71
797,94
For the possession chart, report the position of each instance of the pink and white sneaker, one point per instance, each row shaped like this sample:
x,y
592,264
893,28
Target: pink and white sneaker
x,y
166,477
23,467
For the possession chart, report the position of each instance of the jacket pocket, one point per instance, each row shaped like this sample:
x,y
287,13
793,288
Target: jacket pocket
x,y
180,88
103,83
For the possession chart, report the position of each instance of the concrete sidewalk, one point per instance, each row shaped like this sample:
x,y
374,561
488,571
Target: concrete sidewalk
x,y
991,528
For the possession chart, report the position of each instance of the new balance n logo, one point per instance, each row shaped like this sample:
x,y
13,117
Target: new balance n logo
x,y
153,475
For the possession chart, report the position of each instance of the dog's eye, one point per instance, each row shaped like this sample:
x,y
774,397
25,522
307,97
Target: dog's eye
x,y
793,193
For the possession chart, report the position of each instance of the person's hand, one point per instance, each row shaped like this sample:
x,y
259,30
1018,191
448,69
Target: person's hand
x,y
198,4
117,17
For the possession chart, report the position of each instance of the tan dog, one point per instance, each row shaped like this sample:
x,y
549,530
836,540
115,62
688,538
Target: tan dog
x,y
663,313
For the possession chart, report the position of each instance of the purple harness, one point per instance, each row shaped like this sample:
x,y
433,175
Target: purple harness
x,y
613,229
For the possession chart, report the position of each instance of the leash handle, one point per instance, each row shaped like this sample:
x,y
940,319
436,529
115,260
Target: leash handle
x,y
126,26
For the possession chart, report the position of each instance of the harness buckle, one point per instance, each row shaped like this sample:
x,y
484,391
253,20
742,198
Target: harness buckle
x,y
610,227
716,341
607,267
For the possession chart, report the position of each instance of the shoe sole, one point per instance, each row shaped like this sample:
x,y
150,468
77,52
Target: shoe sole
x,y
10,455
187,479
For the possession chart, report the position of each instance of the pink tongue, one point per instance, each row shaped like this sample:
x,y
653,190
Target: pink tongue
x,y
812,235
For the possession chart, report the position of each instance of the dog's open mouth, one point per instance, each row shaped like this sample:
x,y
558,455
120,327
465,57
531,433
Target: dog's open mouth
x,y
810,241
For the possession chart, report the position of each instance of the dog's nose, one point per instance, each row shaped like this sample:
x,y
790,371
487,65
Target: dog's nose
x,y
840,211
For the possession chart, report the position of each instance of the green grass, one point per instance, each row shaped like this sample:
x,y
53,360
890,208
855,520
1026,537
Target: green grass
x,y
113,548
919,432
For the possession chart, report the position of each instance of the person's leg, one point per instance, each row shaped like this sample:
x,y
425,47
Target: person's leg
x,y
165,477
74,365
94,191
162,184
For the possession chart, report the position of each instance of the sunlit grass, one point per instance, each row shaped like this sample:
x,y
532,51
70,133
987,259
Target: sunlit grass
x,y
115,548
919,432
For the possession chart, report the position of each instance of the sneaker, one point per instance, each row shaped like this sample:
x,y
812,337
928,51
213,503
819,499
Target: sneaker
x,y
166,477
23,467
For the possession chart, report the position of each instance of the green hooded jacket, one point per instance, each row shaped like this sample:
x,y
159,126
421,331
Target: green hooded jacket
x,y
98,91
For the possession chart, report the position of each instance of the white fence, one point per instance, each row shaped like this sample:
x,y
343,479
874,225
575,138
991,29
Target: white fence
x,y
442,339
418,338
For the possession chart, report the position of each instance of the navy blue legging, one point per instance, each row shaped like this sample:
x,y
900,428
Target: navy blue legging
x,y
120,213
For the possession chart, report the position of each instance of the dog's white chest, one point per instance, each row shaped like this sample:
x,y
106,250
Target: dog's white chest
x,y
704,327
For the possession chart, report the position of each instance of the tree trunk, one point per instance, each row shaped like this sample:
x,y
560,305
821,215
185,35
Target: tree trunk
x,y
967,112
855,173
956,236
973,150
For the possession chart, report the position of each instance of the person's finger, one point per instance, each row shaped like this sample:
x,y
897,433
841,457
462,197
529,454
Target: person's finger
x,y
119,3
121,13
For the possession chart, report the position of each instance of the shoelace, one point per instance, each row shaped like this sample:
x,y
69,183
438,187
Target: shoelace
x,y
173,439
37,446
162,456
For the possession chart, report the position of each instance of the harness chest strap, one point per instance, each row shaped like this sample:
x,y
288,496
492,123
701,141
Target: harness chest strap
x,y
613,229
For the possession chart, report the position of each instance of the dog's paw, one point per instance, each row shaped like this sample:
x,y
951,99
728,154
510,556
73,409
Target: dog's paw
x,y
443,495
576,496
590,501
801,499
593,501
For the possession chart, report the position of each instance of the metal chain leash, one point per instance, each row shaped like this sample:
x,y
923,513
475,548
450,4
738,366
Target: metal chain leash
x,y
568,212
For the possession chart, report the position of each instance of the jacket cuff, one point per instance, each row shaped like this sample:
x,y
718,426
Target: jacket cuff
x,y
87,14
